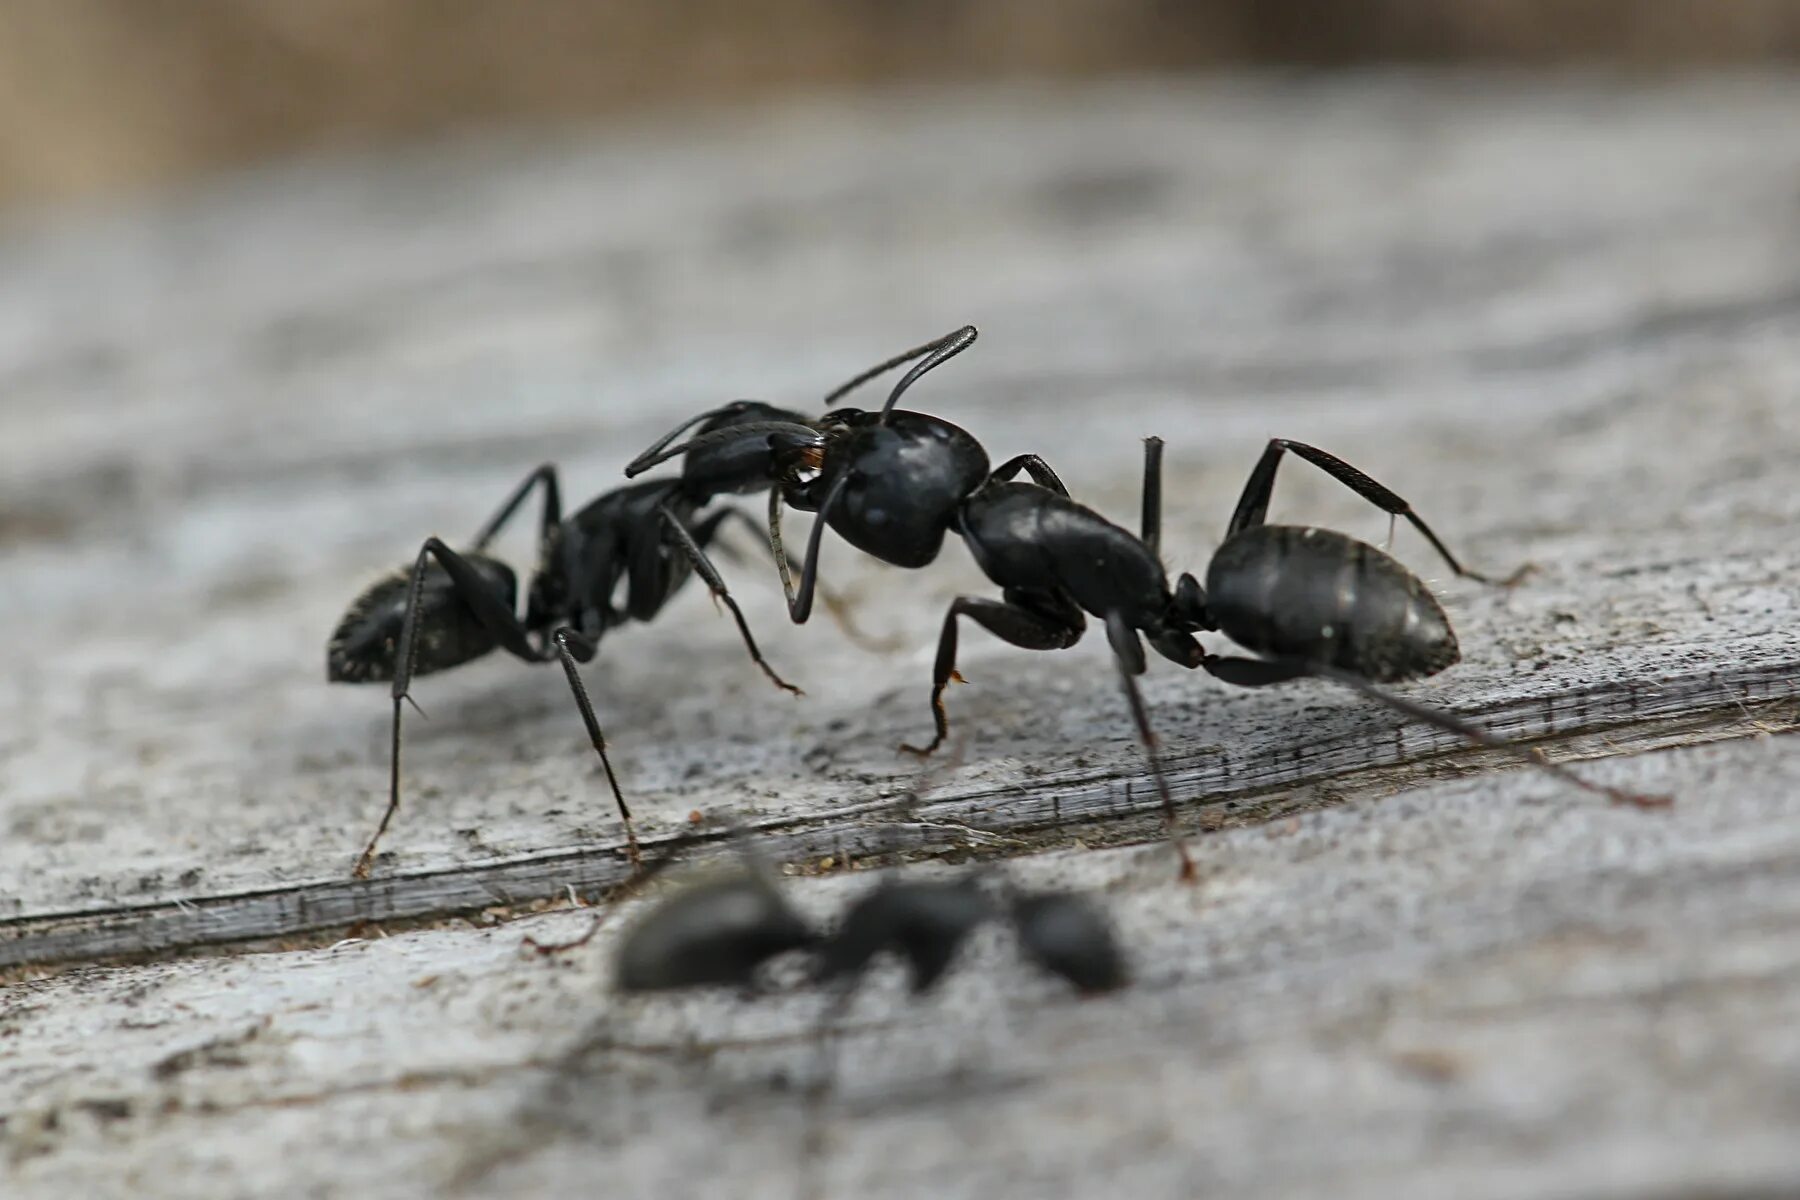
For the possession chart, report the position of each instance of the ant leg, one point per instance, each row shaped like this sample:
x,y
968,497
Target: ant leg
x,y
571,644
740,431
703,566
1128,653
1032,465
1057,626
1251,672
609,903
1253,505
367,858
798,608
800,603
495,616
777,550
551,517
1151,528
837,607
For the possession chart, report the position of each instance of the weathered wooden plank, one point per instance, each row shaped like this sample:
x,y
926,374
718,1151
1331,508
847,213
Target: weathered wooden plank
x,y
1034,811
1468,988
1561,319
175,773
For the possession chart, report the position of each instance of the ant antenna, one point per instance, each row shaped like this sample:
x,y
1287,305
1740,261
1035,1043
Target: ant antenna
x,y
946,349
845,389
680,429
964,336
662,451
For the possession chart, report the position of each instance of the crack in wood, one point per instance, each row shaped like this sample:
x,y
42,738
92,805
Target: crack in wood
x,y
1603,720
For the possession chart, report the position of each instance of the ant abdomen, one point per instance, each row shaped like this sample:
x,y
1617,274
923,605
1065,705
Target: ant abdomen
x,y
1291,591
364,648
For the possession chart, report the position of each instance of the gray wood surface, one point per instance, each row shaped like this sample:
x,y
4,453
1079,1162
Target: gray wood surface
x,y
1560,318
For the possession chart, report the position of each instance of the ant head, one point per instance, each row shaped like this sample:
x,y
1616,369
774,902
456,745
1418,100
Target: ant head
x,y
900,479
723,464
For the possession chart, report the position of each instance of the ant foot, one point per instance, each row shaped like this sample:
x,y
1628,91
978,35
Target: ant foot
x,y
781,683
1518,576
548,948
1511,581
1646,800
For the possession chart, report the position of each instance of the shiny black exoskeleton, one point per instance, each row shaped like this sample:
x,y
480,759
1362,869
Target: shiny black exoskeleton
x,y
891,482
1310,602
450,606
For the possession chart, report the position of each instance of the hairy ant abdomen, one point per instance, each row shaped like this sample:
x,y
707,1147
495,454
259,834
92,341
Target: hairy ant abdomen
x,y
364,648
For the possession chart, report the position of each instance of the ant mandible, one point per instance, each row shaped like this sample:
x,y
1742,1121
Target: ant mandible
x,y
452,606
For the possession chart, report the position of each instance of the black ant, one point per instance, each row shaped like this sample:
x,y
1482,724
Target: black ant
x,y
452,606
1309,601
892,483
721,931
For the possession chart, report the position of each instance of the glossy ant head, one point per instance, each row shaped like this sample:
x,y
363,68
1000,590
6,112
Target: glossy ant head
x,y
890,483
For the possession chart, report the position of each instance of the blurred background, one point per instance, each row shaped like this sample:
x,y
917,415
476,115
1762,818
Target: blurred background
x,y
102,96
